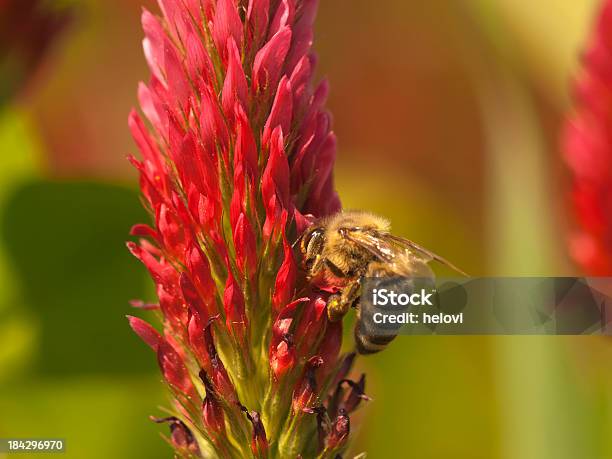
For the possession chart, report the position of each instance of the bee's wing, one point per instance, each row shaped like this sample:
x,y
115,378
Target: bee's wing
x,y
422,252
374,242
394,251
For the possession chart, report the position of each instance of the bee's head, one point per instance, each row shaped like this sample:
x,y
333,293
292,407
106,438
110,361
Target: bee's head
x,y
311,244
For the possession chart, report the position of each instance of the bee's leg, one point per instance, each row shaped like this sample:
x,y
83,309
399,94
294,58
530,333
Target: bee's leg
x,y
334,269
339,303
317,266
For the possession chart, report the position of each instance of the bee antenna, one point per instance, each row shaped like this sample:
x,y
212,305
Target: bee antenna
x,y
297,241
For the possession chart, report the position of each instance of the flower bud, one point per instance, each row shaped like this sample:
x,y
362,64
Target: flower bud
x,y
212,411
356,394
349,399
340,430
305,393
218,374
323,424
282,357
180,435
259,442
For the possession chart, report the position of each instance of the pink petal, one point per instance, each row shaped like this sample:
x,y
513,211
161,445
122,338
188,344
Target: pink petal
x,y
235,88
227,23
270,59
257,18
245,245
145,331
282,110
284,286
283,17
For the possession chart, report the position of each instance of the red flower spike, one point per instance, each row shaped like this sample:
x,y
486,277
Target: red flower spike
x,y
237,159
145,331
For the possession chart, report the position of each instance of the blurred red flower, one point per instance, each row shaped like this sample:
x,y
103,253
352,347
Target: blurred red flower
x,y
587,144
27,29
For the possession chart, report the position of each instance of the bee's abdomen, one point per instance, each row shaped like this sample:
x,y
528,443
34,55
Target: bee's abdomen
x,y
371,344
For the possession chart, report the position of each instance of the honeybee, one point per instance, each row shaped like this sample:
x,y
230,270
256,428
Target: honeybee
x,y
339,250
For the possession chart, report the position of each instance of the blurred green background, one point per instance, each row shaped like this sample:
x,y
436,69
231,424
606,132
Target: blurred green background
x,y
448,115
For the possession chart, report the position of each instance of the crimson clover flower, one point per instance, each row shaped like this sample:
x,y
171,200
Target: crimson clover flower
x,y
237,157
588,151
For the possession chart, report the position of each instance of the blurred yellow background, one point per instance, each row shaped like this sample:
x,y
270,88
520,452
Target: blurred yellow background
x,y
448,115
